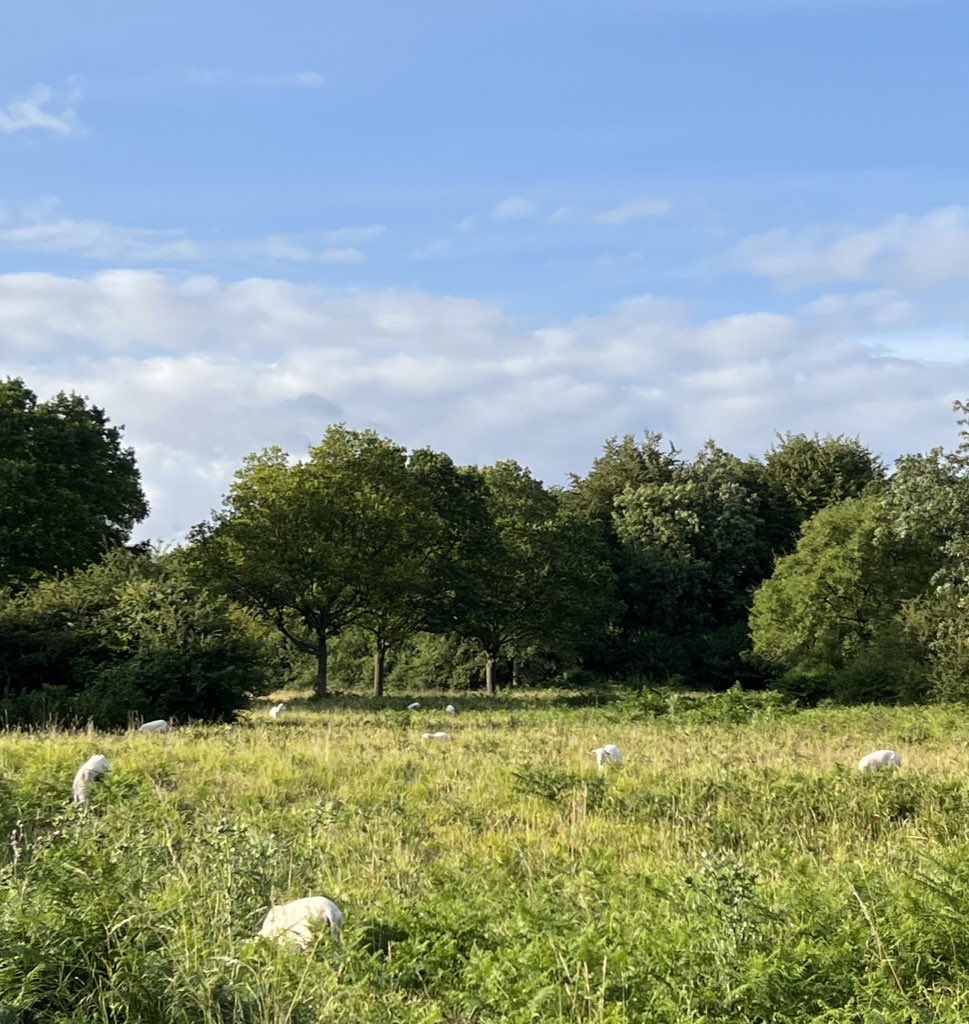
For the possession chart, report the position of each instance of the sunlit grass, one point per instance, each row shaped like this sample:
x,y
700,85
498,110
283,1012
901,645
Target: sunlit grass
x,y
737,867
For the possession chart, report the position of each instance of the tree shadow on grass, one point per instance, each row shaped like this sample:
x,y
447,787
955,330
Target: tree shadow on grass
x,y
463,701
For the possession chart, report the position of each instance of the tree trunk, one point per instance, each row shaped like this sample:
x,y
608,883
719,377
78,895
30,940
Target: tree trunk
x,y
319,685
514,671
490,675
379,653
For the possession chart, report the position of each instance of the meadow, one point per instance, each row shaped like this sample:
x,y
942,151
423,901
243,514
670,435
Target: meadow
x,y
736,868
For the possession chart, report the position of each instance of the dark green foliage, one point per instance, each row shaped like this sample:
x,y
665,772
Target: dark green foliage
x,y
812,473
694,547
128,636
539,580
68,489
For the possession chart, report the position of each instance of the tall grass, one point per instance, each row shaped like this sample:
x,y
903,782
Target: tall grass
x,y
736,868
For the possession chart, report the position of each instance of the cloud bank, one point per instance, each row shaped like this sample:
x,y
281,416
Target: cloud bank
x,y
203,370
42,109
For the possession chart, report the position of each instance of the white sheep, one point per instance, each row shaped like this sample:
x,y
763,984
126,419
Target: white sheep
x,y
294,921
277,709
436,736
451,709
158,725
880,759
93,770
608,754
414,706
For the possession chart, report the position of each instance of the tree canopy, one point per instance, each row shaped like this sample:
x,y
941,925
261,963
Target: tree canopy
x,y
69,489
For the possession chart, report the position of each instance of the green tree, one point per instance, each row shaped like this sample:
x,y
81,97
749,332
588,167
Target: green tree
x,y
814,472
624,465
312,546
831,618
930,500
127,635
69,490
695,546
440,510
539,578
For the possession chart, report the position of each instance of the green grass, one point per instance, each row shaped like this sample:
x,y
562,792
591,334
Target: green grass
x,y
736,868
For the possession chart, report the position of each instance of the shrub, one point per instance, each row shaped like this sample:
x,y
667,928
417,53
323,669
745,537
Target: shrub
x,y
127,636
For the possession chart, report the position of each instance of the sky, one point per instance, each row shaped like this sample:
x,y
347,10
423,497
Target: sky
x,y
505,231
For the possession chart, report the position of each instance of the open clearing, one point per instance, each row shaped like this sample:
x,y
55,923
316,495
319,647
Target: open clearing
x,y
736,867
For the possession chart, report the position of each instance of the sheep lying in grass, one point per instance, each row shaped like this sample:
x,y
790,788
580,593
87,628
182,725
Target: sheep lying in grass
x,y
435,736
608,754
93,770
158,725
451,709
277,709
293,922
880,759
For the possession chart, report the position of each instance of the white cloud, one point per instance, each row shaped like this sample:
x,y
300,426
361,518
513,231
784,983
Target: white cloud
x,y
354,235
564,213
36,227
42,109
436,249
203,371
466,223
880,308
633,210
916,252
514,208
312,79
223,76
99,240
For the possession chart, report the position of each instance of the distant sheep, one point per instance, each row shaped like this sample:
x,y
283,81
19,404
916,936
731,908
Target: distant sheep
x,y
93,770
158,725
294,921
277,709
436,736
451,709
608,754
880,759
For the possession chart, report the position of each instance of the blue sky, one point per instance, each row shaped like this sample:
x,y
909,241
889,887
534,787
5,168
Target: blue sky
x,y
504,230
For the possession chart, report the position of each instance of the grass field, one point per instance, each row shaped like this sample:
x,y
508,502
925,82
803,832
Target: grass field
x,y
736,868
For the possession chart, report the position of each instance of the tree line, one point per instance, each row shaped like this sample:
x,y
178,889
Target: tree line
x,y
812,569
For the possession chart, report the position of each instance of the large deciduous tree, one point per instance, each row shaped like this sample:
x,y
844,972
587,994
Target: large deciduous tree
x,y
315,545
930,500
69,489
811,473
832,618
624,465
540,578
695,546
440,513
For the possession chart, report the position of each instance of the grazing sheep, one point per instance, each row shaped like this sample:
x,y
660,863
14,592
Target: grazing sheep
x,y
435,736
93,770
414,706
880,759
294,921
277,709
608,754
158,725
451,709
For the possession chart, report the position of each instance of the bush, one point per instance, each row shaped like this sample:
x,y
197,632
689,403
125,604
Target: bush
x,y
129,636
